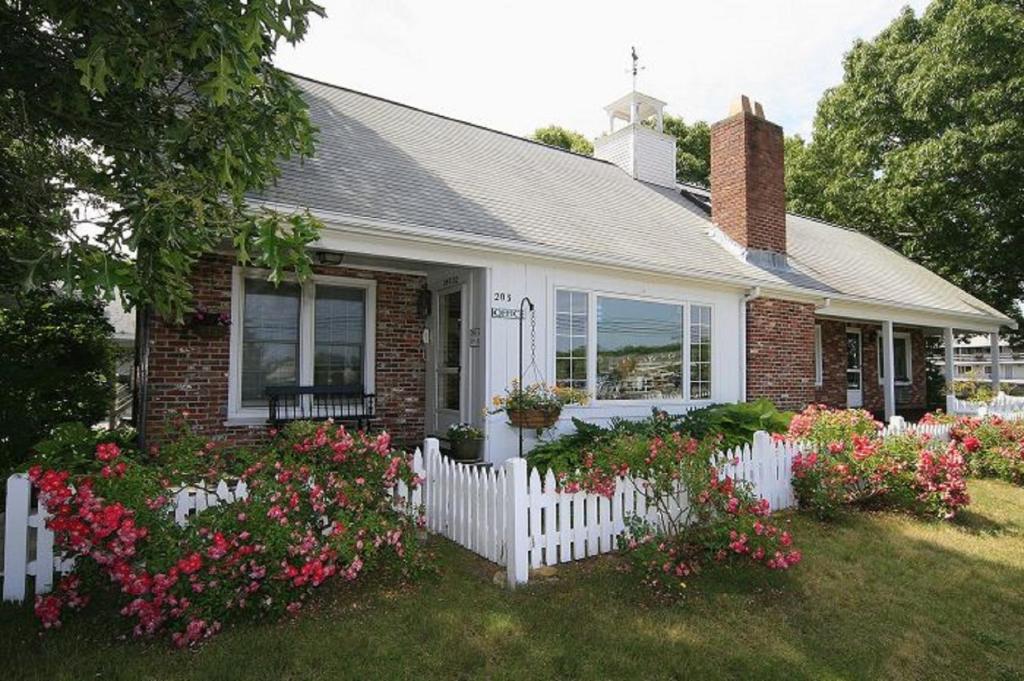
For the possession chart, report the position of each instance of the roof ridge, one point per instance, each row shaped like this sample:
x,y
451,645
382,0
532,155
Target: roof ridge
x,y
442,116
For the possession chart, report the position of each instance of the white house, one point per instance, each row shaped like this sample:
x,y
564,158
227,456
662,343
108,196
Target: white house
x,y
645,292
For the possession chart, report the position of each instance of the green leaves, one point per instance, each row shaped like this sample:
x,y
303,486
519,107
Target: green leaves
x,y
162,118
922,145
95,71
563,138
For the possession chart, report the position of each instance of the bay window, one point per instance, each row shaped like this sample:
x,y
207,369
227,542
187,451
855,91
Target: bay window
x,y
318,332
640,349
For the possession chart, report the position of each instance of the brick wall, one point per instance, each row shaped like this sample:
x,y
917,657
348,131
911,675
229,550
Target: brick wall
x,y
780,352
832,391
748,196
188,372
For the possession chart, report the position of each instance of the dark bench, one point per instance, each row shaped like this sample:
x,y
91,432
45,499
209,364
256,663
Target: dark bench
x,y
350,406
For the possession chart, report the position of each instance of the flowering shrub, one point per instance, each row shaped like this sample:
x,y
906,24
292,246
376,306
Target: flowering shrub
x,y
848,464
822,425
320,507
700,514
992,446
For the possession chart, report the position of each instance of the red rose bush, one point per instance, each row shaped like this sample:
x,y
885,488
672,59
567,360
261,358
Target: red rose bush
x,y
697,513
993,447
845,462
320,507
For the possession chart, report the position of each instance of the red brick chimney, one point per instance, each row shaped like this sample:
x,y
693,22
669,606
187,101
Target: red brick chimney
x,y
748,195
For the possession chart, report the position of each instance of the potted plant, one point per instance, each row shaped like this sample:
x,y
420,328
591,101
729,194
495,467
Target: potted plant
x,y
465,441
208,324
536,406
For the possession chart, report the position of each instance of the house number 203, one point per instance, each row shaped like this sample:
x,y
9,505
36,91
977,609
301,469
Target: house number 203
x,y
502,297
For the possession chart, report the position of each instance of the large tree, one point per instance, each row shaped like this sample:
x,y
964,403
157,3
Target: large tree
x,y
130,134
922,145
564,138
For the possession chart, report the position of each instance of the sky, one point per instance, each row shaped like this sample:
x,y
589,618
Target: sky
x,y
516,66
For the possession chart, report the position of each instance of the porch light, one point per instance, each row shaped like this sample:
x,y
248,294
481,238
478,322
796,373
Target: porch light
x,y
328,257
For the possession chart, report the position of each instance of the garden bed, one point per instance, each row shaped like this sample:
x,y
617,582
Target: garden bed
x,y
879,595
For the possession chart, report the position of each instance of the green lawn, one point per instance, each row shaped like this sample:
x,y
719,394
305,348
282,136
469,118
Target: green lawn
x,y
877,596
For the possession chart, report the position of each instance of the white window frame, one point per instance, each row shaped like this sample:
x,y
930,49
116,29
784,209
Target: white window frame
x,y
592,296
554,334
819,358
907,351
239,415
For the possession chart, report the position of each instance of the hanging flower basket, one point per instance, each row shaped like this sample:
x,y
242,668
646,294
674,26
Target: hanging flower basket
x,y
538,419
208,324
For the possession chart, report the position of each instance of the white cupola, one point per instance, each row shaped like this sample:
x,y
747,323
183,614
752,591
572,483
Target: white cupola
x,y
642,150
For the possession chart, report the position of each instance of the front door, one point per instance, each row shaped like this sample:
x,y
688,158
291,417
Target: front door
x,y
854,377
449,359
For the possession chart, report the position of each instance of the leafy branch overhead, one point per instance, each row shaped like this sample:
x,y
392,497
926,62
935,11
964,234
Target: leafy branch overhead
x,y
131,135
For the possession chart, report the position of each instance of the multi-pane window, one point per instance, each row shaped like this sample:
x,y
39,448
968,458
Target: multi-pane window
x,y
638,346
299,334
339,336
571,327
700,352
900,357
639,350
270,338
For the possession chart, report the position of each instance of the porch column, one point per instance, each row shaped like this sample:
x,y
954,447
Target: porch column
x,y
889,369
950,369
994,337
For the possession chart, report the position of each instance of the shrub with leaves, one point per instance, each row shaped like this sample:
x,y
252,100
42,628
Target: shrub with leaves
x,y
321,506
993,447
697,513
846,464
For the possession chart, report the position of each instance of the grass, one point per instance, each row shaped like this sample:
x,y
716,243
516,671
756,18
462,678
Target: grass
x,y
877,596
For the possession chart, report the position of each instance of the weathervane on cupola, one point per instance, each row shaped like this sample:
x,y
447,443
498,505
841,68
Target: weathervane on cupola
x,y
636,65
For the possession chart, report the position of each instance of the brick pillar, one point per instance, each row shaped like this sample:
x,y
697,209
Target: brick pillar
x,y
780,352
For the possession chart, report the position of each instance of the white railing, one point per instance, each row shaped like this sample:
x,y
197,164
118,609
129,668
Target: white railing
x,y
522,520
1009,407
28,543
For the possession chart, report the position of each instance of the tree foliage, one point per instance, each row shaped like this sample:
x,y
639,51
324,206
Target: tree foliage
x,y
564,138
130,134
58,362
693,149
922,145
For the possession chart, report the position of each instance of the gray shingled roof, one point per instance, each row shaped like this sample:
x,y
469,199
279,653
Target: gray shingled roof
x,y
382,161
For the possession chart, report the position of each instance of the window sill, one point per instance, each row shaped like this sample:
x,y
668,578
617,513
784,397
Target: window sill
x,y
246,420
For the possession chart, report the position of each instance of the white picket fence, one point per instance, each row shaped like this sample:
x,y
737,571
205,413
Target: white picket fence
x,y
1009,407
514,518
898,426
524,521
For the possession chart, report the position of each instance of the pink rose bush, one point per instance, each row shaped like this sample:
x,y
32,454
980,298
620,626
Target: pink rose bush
x,y
993,447
846,463
700,513
321,507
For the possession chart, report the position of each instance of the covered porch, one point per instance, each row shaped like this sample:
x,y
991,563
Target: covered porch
x,y
880,362
369,340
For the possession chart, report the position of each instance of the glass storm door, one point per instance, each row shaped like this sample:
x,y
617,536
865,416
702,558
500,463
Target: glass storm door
x,y
449,379
854,377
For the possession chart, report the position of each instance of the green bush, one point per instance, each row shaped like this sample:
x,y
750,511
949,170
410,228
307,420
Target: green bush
x,y
58,362
732,424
